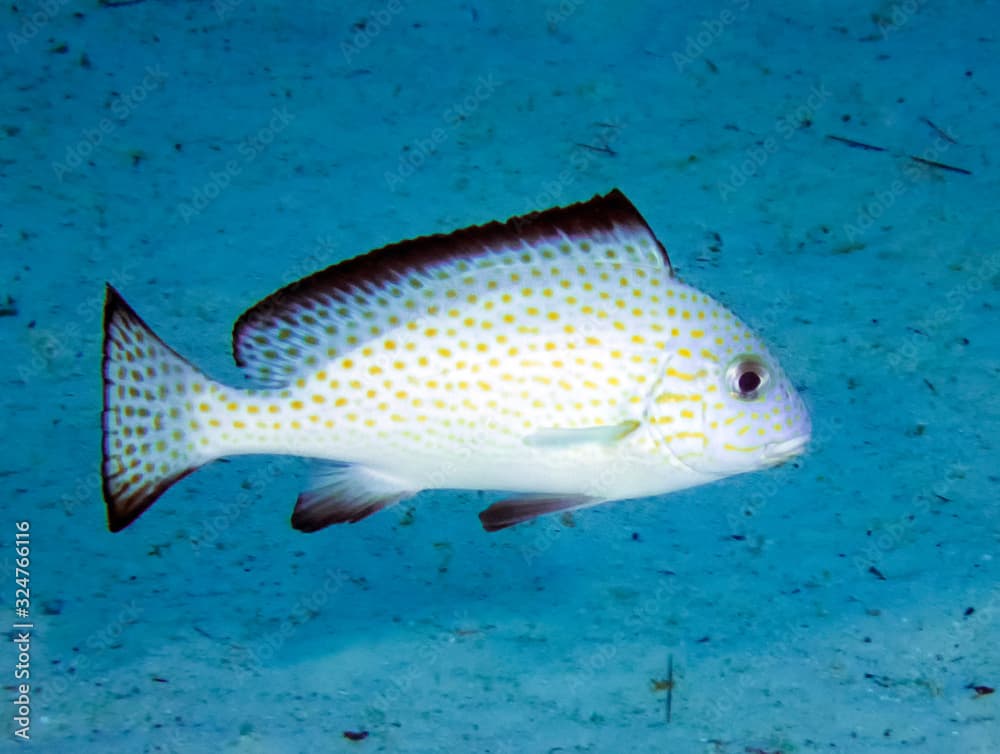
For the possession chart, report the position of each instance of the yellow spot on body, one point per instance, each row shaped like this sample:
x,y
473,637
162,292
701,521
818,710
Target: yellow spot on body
x,y
691,436
688,376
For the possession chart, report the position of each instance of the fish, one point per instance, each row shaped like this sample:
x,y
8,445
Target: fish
x,y
554,357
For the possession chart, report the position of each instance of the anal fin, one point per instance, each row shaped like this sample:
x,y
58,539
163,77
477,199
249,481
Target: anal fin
x,y
347,493
516,510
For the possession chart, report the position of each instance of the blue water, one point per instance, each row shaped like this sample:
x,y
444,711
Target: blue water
x,y
200,155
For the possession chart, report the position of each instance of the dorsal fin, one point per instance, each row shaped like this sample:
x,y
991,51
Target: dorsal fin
x,y
319,318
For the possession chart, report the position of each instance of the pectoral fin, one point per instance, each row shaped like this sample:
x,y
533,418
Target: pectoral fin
x,y
558,437
516,510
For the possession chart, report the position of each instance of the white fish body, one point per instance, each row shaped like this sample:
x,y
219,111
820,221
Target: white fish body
x,y
554,355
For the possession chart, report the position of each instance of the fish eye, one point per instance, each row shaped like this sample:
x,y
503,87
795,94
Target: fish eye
x,y
747,378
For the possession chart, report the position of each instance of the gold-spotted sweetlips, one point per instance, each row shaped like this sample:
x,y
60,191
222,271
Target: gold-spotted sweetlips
x,y
554,356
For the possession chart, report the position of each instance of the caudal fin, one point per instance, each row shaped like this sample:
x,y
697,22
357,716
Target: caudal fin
x,y
149,441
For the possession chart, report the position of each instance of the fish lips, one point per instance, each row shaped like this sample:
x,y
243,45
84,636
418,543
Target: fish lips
x,y
779,452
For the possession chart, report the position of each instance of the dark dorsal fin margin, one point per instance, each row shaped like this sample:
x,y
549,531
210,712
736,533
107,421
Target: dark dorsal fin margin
x,y
388,264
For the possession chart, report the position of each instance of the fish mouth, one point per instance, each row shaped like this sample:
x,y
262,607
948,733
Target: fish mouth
x,y
779,452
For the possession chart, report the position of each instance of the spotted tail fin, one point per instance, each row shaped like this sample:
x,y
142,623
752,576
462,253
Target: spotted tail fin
x,y
148,434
